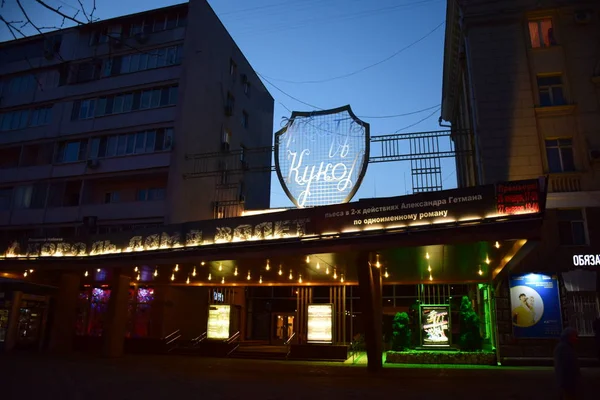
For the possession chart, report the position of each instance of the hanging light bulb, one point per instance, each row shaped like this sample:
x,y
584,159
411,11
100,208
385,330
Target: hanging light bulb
x,y
176,267
300,278
194,271
202,263
135,269
334,274
327,270
138,277
307,259
235,273
31,271
209,276
173,277
187,281
25,273
220,267
480,272
155,272
430,277
429,268
248,277
280,270
260,279
427,256
497,245
386,274
222,280
377,263
86,273
291,275
487,260
98,270
318,265
267,267
342,278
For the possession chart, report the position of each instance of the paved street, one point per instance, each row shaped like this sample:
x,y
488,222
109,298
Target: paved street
x,y
24,376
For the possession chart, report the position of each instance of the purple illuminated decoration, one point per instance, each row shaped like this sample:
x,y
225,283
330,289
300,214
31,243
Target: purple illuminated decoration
x,y
145,295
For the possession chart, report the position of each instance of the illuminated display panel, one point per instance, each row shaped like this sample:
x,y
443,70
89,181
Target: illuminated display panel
x,y
320,323
435,325
218,322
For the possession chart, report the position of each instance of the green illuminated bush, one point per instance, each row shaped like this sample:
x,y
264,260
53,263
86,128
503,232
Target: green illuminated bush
x,y
470,336
401,332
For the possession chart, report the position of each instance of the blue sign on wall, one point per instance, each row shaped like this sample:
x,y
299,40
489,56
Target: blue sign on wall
x,y
535,306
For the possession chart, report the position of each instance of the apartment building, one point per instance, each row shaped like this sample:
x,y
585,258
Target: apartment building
x,y
521,89
97,123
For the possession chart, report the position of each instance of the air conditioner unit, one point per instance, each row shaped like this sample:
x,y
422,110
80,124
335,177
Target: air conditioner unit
x,y
594,155
583,17
93,163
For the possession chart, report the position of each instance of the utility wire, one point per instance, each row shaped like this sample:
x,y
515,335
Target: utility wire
x,y
418,122
368,66
289,95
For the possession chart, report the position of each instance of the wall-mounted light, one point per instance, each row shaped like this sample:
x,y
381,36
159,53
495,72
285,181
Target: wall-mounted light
x,y
430,277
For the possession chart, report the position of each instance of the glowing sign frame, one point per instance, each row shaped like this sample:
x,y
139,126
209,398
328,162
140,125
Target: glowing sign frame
x,y
447,331
297,118
312,318
219,321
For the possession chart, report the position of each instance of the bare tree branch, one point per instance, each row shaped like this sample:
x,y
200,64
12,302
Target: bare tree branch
x,y
57,11
89,19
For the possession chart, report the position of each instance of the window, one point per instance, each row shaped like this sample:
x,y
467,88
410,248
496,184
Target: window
x,y
541,33
88,71
229,105
5,197
132,143
232,69
71,151
21,84
559,153
23,118
30,196
111,197
152,194
245,119
9,157
41,116
571,226
550,89
125,102
582,309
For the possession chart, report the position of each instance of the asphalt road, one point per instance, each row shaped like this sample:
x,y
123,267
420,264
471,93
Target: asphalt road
x,y
25,376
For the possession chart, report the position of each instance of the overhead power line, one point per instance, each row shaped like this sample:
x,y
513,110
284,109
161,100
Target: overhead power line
x,y
368,66
419,121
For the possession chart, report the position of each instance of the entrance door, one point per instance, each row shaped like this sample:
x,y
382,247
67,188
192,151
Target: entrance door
x,y
283,328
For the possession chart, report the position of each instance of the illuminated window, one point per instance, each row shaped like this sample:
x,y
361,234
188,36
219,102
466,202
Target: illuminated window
x,y
559,153
571,226
550,90
541,33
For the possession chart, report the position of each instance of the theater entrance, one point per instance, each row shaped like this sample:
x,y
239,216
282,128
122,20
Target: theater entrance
x,y
283,328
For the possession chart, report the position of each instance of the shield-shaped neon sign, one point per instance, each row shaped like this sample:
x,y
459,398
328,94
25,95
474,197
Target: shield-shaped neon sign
x,y
321,157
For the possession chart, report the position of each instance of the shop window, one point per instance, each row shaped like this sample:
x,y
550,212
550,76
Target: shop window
x,y
541,33
551,91
140,307
572,227
98,308
559,153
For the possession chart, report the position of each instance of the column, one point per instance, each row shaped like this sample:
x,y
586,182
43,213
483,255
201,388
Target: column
x,y
115,325
62,330
13,321
369,282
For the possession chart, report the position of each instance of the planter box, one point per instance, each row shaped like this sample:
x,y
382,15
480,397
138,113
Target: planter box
x,y
441,357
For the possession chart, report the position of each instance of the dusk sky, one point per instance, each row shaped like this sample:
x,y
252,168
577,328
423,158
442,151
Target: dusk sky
x,y
383,57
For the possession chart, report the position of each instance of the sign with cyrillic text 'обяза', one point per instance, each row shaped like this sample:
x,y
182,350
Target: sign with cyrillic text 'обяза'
x,y
586,260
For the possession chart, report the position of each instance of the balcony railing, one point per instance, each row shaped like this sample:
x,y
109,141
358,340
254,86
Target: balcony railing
x,y
565,183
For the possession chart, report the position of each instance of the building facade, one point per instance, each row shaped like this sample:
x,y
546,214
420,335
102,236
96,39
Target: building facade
x,y
98,122
521,90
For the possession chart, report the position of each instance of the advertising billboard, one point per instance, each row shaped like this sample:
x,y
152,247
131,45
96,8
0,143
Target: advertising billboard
x,y
435,325
219,317
535,306
320,323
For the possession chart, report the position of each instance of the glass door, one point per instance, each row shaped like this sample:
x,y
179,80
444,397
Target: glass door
x,y
283,328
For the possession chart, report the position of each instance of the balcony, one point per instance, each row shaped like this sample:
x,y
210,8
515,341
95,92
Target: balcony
x,y
566,182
